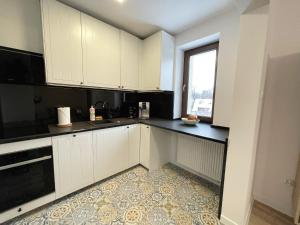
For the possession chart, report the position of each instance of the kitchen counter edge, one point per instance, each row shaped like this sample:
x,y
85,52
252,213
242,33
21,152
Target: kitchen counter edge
x,y
204,131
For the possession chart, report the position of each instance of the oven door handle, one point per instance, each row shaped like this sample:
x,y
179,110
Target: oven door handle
x,y
25,162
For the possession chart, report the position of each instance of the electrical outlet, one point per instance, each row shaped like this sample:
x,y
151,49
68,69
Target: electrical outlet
x,y
290,182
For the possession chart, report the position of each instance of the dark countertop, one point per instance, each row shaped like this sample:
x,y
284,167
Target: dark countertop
x,y
86,126
201,130
75,128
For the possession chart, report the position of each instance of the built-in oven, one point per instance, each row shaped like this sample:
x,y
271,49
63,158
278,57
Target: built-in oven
x,y
25,176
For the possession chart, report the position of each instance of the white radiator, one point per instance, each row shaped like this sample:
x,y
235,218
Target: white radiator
x,y
201,156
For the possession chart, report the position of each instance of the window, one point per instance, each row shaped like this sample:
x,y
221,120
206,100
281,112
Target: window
x,y
200,66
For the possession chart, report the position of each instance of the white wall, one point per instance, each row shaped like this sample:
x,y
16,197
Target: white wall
x,y
226,28
279,143
247,101
21,25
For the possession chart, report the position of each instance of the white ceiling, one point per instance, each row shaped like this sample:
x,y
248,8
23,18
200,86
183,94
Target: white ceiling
x,y
144,17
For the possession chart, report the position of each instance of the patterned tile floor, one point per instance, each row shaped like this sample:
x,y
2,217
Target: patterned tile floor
x,y
167,196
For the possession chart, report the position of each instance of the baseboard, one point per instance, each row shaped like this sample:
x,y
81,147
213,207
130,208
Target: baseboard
x,y
226,221
249,211
268,202
271,215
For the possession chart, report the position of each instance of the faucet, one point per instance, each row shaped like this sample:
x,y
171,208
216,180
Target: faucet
x,y
103,103
104,106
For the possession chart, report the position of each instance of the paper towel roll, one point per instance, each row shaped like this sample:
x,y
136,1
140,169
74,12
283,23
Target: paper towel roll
x,y
64,117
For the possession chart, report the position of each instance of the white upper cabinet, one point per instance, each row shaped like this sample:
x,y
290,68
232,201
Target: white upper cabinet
x,y
130,61
101,53
81,50
62,43
157,62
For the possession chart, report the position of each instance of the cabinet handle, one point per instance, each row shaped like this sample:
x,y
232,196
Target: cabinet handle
x,y
119,86
19,209
81,82
74,135
157,88
122,86
127,126
27,162
147,127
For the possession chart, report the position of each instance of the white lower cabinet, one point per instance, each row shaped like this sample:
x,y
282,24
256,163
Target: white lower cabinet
x,y
134,145
84,158
145,145
111,150
73,155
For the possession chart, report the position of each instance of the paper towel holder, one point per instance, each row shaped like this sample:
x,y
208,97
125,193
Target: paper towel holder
x,y
64,117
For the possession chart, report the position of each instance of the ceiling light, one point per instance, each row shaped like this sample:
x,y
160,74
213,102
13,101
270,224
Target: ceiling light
x,y
120,1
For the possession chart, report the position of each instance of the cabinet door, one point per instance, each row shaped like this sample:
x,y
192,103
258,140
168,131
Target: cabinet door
x,y
134,145
110,151
74,160
145,146
151,58
130,61
83,162
167,62
62,43
64,177
101,53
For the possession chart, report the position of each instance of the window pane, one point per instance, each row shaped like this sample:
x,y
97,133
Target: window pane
x,y
201,83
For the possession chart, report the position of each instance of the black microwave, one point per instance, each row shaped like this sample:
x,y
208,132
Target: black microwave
x,y
21,67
